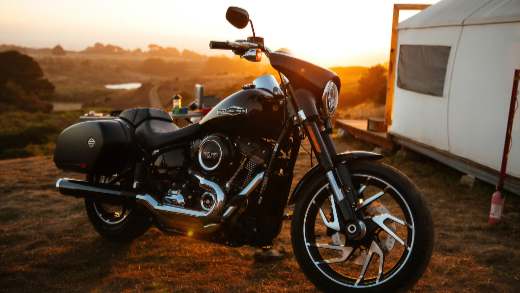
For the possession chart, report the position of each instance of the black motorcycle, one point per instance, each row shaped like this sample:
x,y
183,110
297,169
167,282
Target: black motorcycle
x,y
357,224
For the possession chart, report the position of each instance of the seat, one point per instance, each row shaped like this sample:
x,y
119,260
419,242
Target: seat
x,y
136,116
153,134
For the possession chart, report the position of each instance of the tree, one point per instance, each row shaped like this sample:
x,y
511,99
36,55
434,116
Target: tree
x,y
156,50
372,85
58,50
99,48
154,47
18,67
22,84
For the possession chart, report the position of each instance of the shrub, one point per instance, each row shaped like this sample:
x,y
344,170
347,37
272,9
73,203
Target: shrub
x,y
25,134
22,84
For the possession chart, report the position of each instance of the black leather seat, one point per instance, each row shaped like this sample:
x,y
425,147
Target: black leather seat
x,y
136,116
154,134
155,128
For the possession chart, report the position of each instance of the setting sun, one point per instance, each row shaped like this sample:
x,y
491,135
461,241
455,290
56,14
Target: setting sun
x,y
329,33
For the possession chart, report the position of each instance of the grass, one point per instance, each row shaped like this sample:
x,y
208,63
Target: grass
x,y
24,134
47,244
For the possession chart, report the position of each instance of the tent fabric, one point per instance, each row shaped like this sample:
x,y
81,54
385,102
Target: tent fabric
x,y
464,12
496,12
470,119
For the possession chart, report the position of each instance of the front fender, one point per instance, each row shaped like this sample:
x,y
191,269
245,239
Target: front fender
x,y
345,157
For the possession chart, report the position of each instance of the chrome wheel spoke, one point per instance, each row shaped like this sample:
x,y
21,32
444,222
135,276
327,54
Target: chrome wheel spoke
x,y
370,200
361,189
346,251
334,224
379,259
380,221
374,249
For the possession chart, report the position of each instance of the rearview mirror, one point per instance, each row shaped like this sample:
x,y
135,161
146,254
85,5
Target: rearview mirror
x,y
237,16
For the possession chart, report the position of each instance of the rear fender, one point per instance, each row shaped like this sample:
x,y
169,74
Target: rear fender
x,y
342,158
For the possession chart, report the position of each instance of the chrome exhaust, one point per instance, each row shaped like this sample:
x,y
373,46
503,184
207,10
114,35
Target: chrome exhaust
x,y
196,221
79,188
183,219
170,217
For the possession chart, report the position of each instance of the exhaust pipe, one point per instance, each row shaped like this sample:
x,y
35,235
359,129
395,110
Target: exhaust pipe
x,y
170,217
187,220
79,188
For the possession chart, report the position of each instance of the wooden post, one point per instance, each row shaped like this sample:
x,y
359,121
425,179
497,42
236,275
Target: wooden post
x,y
392,60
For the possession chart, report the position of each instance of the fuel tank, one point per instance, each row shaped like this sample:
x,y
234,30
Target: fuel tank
x,y
252,112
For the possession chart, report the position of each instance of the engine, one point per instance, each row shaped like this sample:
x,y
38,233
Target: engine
x,y
229,162
215,153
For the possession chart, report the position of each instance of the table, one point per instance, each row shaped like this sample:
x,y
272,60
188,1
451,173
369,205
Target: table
x,y
186,117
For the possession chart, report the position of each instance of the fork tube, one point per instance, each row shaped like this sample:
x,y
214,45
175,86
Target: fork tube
x,y
342,172
322,150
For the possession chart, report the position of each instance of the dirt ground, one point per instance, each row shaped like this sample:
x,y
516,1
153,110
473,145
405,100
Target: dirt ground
x,y
47,243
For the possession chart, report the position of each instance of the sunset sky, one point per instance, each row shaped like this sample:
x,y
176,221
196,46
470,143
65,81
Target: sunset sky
x,y
325,32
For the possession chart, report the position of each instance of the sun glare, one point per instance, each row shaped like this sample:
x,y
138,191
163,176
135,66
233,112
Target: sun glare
x,y
326,32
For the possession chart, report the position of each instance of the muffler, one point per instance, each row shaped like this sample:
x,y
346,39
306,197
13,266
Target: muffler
x,y
79,188
169,217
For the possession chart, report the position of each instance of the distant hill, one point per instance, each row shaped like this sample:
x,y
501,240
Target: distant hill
x,y
24,50
80,76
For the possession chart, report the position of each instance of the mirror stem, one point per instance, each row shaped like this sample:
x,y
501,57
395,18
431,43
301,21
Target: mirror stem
x,y
252,27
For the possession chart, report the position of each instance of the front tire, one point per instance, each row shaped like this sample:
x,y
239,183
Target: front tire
x,y
379,262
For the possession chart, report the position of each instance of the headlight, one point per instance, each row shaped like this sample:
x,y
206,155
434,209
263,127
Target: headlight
x,y
330,98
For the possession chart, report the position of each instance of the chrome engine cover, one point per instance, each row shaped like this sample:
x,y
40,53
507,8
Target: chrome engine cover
x,y
214,152
178,218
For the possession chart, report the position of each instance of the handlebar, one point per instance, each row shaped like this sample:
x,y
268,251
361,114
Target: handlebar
x,y
219,45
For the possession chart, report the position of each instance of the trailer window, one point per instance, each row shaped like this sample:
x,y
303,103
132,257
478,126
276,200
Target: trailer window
x,y
422,68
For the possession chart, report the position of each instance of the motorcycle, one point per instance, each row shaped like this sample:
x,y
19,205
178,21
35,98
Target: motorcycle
x,y
358,224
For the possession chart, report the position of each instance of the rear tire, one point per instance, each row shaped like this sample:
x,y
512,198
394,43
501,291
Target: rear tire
x,y
406,273
135,224
121,222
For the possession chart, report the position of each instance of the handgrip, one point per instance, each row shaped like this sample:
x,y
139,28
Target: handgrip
x,y
219,45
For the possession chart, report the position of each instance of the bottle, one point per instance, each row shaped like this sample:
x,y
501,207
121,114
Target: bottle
x,y
497,207
176,104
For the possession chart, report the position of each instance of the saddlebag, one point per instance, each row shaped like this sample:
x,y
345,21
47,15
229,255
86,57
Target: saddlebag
x,y
99,146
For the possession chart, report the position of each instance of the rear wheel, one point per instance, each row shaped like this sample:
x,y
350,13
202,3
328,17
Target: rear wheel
x,y
395,250
121,222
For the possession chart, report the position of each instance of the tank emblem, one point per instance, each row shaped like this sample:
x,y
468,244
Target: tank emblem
x,y
91,142
232,111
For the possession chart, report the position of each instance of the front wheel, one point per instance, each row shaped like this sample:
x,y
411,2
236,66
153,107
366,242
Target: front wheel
x,y
398,243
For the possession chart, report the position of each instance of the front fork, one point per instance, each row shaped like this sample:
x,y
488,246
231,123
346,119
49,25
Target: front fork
x,y
338,176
